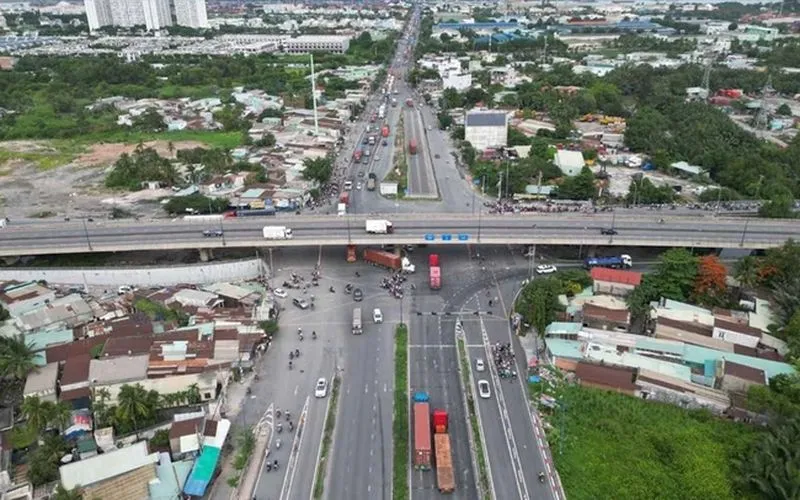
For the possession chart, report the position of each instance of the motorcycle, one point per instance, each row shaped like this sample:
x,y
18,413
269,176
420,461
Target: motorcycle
x,y
541,477
291,427
313,335
332,290
279,428
290,365
275,465
249,391
297,353
278,444
288,416
278,413
291,355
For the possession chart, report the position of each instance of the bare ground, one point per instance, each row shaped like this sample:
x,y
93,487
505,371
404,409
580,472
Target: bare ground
x,y
75,189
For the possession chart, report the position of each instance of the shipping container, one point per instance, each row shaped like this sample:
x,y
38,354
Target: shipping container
x,y
385,131
445,478
344,198
384,259
435,278
422,436
256,213
351,253
412,147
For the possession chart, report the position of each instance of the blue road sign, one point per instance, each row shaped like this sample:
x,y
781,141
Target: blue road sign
x,y
447,237
430,237
463,237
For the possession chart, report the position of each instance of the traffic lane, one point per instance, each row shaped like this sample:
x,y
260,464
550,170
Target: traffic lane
x,y
516,401
504,481
420,377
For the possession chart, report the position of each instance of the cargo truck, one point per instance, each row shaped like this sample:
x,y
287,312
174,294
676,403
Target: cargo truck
x,y
371,140
616,262
357,156
422,436
379,226
389,260
412,147
433,260
385,131
394,102
439,421
341,209
445,479
351,253
255,213
277,233
435,277
372,180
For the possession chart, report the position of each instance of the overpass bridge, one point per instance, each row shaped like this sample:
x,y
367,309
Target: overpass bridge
x,y
704,231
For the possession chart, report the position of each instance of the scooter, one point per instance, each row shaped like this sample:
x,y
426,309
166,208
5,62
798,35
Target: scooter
x,y
278,444
291,427
297,353
279,428
313,335
290,365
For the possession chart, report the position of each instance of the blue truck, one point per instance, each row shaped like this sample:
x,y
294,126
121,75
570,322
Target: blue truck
x,y
616,262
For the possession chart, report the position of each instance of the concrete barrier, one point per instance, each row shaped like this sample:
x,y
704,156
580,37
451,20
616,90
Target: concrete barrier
x,y
141,276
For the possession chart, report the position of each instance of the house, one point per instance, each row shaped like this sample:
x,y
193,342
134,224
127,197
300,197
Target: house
x,y
739,378
187,297
736,333
611,378
604,318
186,436
121,474
18,298
70,311
74,382
614,281
486,129
569,162
42,383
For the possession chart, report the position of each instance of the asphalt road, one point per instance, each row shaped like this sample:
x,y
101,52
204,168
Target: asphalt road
x,y
360,465
421,179
574,229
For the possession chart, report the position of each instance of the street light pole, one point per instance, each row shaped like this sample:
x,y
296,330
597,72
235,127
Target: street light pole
x,y
86,232
744,233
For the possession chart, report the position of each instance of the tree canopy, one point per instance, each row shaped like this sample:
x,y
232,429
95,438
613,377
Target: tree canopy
x,y
143,165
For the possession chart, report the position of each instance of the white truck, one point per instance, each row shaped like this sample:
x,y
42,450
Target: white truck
x,y
379,226
277,233
407,266
341,209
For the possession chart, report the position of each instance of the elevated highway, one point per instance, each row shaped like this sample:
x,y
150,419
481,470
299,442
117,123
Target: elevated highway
x,y
450,229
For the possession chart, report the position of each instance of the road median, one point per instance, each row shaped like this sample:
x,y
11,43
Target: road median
x,y
400,415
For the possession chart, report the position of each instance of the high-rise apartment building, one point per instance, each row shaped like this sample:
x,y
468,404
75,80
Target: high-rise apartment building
x,y
153,14
191,13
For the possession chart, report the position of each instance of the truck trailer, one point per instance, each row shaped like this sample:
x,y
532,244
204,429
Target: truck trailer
x,y
351,254
277,233
372,180
422,436
615,262
379,226
445,479
357,156
385,131
389,260
435,278
410,103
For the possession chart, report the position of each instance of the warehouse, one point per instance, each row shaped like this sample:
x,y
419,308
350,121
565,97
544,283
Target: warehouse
x,y
486,129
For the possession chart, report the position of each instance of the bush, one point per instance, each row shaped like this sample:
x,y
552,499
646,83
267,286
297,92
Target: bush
x,y
196,203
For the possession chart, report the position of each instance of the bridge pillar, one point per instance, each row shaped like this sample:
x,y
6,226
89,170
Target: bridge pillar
x,y
206,254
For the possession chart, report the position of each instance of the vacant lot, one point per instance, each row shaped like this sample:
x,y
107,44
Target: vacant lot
x,y
65,179
620,447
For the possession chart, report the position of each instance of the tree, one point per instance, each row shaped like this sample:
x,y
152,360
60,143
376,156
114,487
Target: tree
x,y
643,191
267,141
780,206
785,299
640,298
136,407
709,286
580,187
145,164
38,413
676,273
538,302
445,120
149,121
746,272
318,169
16,357
4,314
771,468
44,461
62,493
269,326
196,203
230,117
784,110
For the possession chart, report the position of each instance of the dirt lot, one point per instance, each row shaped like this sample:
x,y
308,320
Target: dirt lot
x,y
39,179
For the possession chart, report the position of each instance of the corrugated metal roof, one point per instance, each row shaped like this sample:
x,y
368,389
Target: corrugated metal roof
x,y
101,467
486,119
563,328
616,276
699,355
612,376
569,349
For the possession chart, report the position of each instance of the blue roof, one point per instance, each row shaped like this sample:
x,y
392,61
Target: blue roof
x,y
475,26
561,328
565,348
203,472
700,356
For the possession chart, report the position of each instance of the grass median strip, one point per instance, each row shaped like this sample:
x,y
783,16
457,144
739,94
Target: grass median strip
x,y
483,475
399,172
327,438
400,414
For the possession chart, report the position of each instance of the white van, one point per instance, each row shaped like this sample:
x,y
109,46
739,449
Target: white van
x,y
377,315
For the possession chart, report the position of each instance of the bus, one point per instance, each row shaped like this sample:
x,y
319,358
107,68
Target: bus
x,y
357,321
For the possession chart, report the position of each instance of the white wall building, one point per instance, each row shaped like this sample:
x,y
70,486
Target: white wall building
x,y
569,162
191,13
157,14
456,80
98,13
486,129
126,13
316,43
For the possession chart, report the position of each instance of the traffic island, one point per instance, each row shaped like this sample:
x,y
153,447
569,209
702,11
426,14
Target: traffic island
x,y
400,415
327,438
476,436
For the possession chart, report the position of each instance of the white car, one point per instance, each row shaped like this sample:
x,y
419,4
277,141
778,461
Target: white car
x,y
280,292
377,315
480,365
545,269
321,390
359,186
483,389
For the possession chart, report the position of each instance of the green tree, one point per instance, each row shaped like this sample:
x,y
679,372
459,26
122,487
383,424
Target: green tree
x,y
580,187
145,164
4,314
270,326
780,206
267,141
64,494
43,463
149,121
37,413
445,120
643,191
318,169
538,302
231,119
16,357
136,407
640,298
676,273
746,272
196,203
771,468
784,110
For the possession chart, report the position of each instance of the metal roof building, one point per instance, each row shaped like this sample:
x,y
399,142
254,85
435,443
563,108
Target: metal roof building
x,y
486,129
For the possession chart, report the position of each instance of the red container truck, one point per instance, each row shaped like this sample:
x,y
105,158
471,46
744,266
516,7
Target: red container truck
x,y
351,253
445,479
385,131
385,259
344,198
422,436
357,155
435,277
433,260
439,421
410,103
412,147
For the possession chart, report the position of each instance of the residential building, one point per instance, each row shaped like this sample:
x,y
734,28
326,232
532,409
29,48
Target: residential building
x,y
604,318
736,333
337,44
18,298
127,13
569,162
98,13
191,13
456,80
42,383
613,378
123,473
157,14
186,436
739,378
486,129
614,281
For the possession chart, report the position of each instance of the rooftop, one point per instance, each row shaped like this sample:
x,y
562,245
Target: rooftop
x,y
42,382
486,119
745,372
568,158
106,466
118,369
616,276
611,376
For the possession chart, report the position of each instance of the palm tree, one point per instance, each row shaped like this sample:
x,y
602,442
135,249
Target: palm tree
x,y
61,415
193,395
38,413
134,405
62,493
100,399
16,357
746,272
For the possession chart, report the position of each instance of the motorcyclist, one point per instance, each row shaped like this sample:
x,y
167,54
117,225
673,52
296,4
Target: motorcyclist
x,y
314,335
290,365
297,353
332,290
541,477
299,330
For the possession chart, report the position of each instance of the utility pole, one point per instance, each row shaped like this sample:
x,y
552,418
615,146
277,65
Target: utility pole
x,y
314,95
